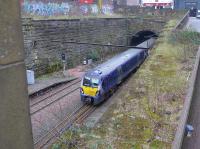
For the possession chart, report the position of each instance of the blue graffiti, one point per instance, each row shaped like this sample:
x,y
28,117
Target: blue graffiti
x,y
46,9
94,9
64,8
107,9
84,9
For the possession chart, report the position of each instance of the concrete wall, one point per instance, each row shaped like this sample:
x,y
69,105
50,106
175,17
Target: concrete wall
x,y
15,132
45,40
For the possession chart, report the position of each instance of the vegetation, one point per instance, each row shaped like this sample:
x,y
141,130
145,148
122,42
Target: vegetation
x,y
134,13
49,68
94,55
53,67
189,39
35,17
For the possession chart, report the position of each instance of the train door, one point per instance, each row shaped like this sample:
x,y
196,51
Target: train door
x,y
104,85
120,73
138,60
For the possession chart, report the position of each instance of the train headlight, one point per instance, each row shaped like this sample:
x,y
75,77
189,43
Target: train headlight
x,y
81,90
97,93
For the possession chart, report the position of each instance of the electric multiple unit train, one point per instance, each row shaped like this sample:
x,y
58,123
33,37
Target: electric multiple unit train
x,y
98,83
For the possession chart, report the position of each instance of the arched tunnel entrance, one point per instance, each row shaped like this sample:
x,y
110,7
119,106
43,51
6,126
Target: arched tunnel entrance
x,y
141,36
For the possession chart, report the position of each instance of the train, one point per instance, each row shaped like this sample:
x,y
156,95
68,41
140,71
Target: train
x,y
99,83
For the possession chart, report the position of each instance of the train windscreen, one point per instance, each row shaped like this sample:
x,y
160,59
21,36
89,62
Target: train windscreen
x,y
91,82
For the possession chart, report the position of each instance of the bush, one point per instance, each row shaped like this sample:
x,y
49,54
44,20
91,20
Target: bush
x,y
56,66
94,55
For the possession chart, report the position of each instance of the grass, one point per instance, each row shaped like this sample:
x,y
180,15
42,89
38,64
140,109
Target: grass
x,y
153,14
66,17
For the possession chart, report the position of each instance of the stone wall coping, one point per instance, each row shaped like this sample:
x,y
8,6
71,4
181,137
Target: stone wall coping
x,y
182,21
87,19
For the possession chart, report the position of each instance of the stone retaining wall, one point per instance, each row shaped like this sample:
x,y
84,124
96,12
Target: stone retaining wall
x,y
45,40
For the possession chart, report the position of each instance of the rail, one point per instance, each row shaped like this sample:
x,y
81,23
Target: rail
x,y
80,113
54,93
51,102
177,143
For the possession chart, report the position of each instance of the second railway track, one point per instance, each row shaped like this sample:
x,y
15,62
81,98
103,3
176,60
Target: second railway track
x,y
43,101
80,113
37,99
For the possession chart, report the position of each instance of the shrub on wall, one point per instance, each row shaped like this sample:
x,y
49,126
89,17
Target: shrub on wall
x,y
94,55
55,66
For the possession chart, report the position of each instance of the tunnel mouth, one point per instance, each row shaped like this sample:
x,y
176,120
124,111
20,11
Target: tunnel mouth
x,y
142,36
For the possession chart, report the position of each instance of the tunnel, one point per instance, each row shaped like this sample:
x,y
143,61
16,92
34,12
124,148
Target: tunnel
x,y
141,36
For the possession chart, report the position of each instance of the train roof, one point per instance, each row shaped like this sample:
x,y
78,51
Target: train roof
x,y
108,66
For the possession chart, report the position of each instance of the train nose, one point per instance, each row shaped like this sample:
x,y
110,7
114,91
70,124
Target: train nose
x,y
89,99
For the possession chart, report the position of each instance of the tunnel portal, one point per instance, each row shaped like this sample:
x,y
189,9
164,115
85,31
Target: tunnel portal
x,y
141,36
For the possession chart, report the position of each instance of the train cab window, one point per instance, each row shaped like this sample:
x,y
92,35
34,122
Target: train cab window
x,y
95,82
86,81
90,82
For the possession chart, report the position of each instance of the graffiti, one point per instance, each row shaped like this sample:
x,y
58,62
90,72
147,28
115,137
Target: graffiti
x,y
46,9
84,9
94,9
64,8
89,9
107,9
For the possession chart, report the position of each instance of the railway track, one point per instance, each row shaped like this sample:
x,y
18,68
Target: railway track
x,y
41,102
39,98
80,113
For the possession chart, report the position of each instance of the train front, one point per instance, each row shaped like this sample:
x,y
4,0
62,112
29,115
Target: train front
x,y
90,89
